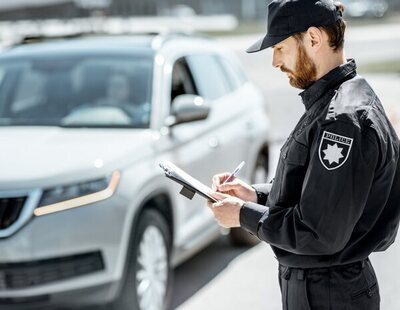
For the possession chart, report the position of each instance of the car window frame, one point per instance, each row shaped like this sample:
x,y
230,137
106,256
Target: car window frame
x,y
237,77
183,62
214,55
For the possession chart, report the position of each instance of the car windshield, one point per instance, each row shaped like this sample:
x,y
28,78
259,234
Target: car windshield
x,y
72,91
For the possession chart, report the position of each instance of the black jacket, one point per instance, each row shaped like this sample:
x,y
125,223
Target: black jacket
x,y
336,194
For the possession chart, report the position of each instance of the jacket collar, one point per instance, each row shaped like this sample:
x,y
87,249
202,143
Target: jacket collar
x,y
327,82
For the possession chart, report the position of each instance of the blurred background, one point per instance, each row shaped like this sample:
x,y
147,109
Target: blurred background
x,y
221,276
250,10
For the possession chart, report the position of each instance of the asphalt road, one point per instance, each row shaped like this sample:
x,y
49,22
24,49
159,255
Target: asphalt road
x,y
224,277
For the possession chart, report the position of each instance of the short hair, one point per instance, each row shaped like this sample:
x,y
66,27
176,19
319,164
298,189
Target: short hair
x,y
334,31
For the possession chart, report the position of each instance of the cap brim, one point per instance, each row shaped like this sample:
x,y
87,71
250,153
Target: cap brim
x,y
266,42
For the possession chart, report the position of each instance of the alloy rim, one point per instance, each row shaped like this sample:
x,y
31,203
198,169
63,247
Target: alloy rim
x,y
152,272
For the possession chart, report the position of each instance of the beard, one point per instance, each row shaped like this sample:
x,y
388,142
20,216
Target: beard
x,y
305,73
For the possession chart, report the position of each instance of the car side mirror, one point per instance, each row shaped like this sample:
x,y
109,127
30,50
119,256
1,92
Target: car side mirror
x,y
187,108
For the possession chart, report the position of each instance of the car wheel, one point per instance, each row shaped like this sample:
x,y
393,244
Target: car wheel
x,y
147,285
239,236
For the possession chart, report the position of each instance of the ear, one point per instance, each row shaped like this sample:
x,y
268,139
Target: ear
x,y
314,38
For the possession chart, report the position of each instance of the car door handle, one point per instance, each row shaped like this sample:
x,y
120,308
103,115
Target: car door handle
x,y
213,142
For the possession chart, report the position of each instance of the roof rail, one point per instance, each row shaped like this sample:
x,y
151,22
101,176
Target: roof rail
x,y
39,38
113,25
26,32
160,37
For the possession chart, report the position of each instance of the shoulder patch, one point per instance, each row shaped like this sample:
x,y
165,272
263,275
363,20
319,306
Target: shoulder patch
x,y
334,150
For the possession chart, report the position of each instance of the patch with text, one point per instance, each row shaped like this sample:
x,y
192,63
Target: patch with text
x,y
334,150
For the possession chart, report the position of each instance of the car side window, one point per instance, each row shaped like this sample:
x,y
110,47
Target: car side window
x,y
182,80
209,77
233,71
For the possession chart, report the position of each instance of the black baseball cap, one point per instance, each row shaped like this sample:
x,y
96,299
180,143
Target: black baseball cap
x,y
287,17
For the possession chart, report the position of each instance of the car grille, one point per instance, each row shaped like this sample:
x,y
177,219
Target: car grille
x,y
10,209
23,275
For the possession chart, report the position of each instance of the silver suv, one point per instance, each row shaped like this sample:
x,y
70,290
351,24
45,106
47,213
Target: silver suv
x,y
86,214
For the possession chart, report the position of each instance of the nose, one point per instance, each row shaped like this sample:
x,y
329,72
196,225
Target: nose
x,y
276,60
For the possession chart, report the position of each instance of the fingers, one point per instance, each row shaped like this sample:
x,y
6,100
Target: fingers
x,y
209,204
213,205
218,179
235,184
219,196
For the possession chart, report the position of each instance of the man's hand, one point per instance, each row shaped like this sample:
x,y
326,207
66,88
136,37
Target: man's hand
x,y
226,210
237,187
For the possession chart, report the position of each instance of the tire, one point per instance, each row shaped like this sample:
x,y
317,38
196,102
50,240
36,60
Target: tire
x,y
148,279
240,237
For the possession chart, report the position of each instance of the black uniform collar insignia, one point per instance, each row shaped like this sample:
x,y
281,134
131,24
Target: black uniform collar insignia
x,y
327,82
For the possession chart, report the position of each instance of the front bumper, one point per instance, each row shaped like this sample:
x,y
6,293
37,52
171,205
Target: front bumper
x,y
31,274
67,259
73,299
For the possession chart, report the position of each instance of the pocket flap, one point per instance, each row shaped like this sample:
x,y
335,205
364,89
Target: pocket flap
x,y
297,153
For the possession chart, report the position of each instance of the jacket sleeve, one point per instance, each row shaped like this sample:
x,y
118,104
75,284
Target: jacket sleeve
x,y
250,212
332,198
262,191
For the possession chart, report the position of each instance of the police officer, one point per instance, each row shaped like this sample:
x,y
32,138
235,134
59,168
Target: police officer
x,y
336,193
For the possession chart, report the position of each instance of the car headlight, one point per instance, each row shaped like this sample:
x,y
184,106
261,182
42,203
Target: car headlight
x,y
71,196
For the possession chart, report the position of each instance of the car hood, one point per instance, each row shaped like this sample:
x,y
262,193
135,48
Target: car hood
x,y
43,156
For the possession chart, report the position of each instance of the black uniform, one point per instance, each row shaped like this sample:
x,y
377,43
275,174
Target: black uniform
x,y
335,197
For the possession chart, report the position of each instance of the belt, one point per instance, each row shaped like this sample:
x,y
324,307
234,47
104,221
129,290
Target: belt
x,y
301,273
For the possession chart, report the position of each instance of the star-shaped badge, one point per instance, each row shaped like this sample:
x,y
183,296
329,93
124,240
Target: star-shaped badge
x,y
334,150
333,153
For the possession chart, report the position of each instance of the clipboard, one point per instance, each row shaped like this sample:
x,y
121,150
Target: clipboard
x,y
191,186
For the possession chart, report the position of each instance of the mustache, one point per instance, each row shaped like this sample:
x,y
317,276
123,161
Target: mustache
x,y
285,70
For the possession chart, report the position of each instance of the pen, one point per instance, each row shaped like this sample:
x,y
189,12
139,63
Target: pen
x,y
234,173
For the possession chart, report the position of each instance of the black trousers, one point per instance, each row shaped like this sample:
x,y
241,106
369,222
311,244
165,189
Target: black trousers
x,y
348,287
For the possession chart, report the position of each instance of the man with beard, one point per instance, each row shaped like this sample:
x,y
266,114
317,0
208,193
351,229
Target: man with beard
x,y
335,198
